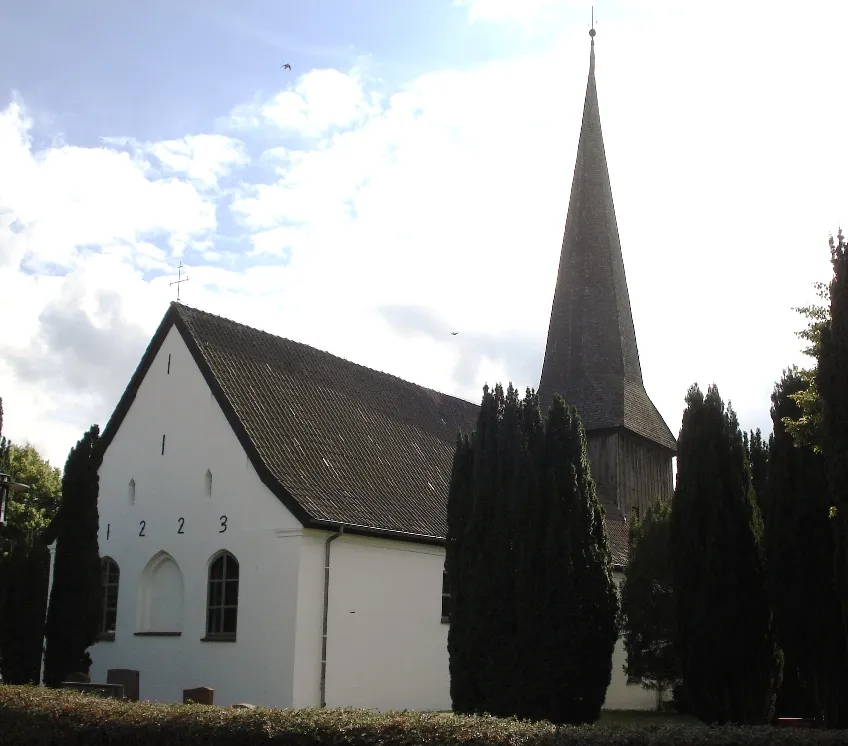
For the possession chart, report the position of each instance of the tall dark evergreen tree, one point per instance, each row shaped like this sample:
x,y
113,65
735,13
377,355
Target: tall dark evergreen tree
x,y
757,449
463,644
581,603
533,607
76,598
799,548
24,570
529,565
729,661
647,603
832,383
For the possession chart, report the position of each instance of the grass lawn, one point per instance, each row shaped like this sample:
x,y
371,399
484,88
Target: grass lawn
x,y
644,717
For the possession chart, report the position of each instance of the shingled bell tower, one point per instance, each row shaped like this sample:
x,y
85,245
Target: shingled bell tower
x,y
591,357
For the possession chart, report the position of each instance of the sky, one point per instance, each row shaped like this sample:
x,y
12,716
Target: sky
x,y
408,177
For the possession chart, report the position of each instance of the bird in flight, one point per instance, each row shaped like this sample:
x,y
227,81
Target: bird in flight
x,y
453,334
287,66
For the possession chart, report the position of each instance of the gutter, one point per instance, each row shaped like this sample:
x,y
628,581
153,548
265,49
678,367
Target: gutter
x,y
330,540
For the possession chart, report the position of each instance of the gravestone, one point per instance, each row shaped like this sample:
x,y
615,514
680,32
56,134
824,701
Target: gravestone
x,y
201,695
111,691
128,677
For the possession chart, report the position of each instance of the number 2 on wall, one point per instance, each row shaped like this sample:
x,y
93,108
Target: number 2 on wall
x,y
143,524
182,523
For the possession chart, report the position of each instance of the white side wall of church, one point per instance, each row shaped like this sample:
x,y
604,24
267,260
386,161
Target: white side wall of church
x,y
386,644
171,516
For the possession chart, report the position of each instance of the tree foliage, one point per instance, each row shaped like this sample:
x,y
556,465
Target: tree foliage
x,y
649,618
757,451
832,383
534,607
800,551
24,561
729,662
73,618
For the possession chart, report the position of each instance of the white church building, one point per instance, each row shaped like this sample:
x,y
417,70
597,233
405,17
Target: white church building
x,y
272,521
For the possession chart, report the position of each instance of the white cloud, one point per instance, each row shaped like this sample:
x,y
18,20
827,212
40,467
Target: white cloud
x,y
505,11
66,198
389,218
320,101
202,158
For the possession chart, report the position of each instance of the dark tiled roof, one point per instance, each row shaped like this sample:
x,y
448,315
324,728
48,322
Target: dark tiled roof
x,y
337,442
591,357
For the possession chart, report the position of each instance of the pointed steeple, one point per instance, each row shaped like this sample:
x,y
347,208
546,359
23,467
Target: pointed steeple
x,y
591,357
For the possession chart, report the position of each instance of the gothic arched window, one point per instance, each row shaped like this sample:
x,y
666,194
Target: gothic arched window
x,y
111,575
222,599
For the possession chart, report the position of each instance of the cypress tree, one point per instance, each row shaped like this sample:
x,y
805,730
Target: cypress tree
x,y
832,384
499,673
800,547
461,640
529,575
729,661
76,598
580,601
25,573
648,604
757,449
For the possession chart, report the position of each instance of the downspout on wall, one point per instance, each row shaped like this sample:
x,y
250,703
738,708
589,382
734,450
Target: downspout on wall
x,y
330,540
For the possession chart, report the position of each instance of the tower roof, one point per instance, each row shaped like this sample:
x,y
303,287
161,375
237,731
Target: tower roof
x,y
591,356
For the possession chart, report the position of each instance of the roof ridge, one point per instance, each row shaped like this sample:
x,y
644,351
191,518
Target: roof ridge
x,y
182,307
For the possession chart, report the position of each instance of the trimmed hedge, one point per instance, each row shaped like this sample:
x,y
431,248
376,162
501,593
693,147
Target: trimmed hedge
x,y
33,716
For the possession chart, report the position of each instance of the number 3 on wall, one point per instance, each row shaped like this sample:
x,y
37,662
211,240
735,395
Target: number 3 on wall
x,y
223,524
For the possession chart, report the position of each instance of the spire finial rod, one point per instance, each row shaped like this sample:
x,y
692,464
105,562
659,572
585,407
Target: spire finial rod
x,y
592,31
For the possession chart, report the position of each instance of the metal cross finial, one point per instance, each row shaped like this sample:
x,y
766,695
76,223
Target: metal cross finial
x,y
180,279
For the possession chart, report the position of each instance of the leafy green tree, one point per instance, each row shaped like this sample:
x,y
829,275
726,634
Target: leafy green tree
x,y
832,383
76,598
805,425
24,563
647,603
32,510
800,552
729,661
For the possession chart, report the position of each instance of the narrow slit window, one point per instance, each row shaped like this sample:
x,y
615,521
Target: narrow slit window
x,y
169,364
131,491
163,444
208,483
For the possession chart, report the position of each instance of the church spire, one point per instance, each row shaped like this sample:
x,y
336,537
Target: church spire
x,y
591,356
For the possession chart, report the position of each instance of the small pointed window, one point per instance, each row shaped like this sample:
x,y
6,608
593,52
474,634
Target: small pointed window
x,y
446,596
208,483
131,491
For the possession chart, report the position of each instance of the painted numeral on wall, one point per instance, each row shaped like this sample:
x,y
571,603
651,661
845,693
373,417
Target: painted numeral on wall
x,y
182,523
223,524
142,525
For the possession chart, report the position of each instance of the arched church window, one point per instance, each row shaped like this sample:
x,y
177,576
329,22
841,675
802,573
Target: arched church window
x,y
222,600
446,596
208,483
110,577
